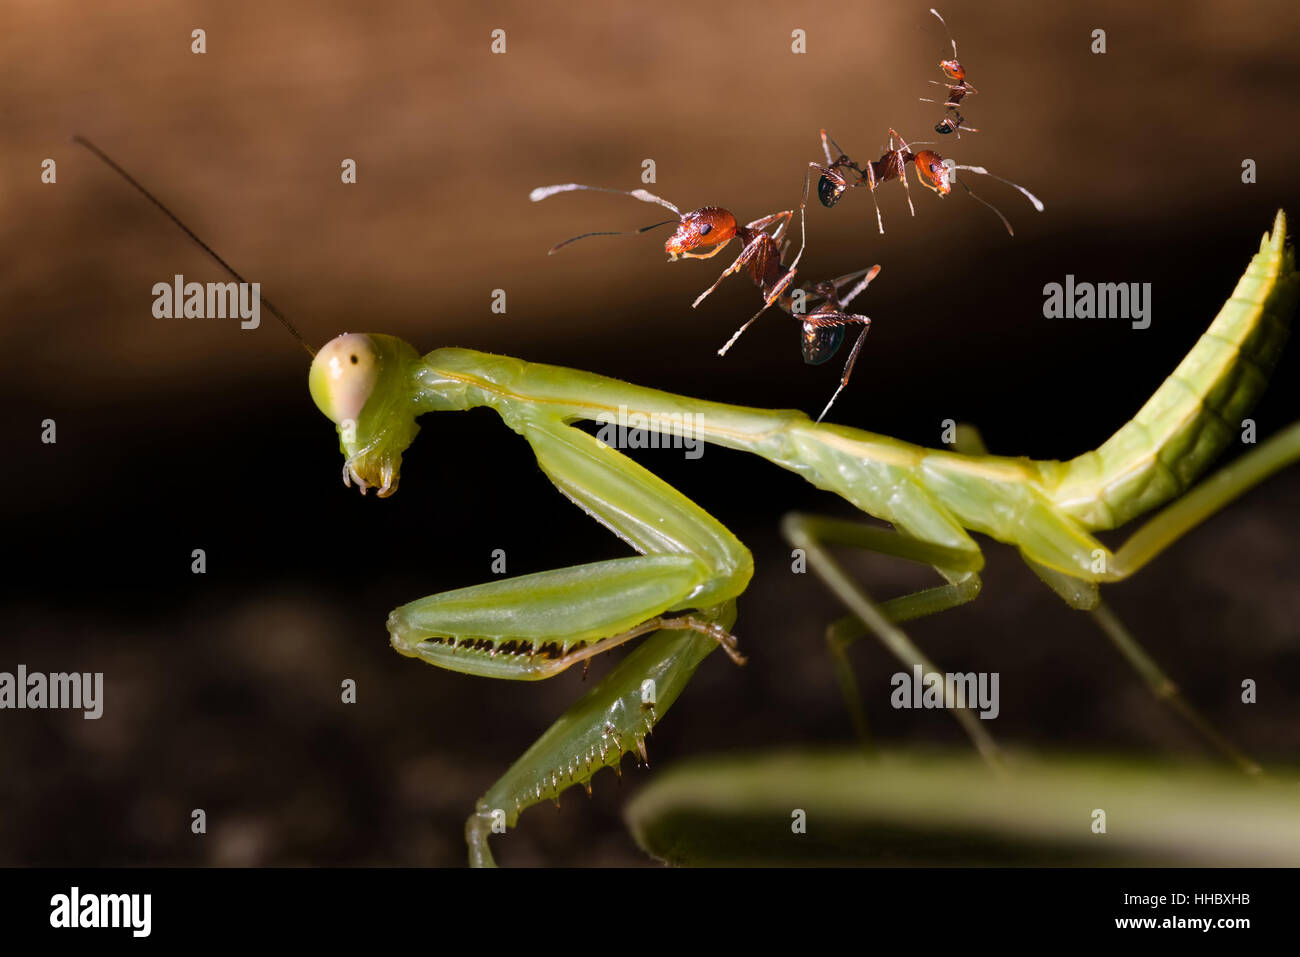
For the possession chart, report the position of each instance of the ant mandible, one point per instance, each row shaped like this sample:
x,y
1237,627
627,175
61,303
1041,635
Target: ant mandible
x,y
932,171
957,89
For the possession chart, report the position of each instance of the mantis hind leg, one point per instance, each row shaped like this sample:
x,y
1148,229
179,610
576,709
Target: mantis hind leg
x,y
1163,687
1153,537
959,566
1083,596
1167,527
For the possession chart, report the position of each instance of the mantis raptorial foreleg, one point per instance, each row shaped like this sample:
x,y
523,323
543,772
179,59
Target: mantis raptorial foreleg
x,y
536,625
959,566
612,718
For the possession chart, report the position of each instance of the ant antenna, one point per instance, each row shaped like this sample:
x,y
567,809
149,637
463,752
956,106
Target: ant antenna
x,y
621,232
1038,204
190,233
947,31
542,192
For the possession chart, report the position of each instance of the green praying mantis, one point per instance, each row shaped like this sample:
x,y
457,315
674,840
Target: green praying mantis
x,y
680,590
683,586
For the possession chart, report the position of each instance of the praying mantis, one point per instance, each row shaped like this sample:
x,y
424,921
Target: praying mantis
x,y
682,587
680,592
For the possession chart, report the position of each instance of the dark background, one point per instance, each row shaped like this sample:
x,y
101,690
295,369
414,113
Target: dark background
x,y
222,691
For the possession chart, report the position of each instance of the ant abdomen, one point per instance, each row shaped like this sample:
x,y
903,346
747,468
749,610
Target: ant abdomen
x,y
828,191
819,343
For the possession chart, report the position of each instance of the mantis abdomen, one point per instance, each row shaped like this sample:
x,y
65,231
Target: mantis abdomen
x,y
1197,411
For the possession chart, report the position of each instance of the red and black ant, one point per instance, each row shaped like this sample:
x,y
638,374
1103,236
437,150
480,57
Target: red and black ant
x,y
822,328
932,170
957,88
708,226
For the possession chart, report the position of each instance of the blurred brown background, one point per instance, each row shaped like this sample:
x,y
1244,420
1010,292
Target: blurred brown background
x,y
223,690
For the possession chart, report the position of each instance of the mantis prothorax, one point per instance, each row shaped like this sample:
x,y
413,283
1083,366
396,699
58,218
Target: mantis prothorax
x,y
681,589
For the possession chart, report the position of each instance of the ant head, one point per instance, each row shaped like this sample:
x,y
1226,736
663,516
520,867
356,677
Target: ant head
x,y
953,70
702,227
932,173
829,191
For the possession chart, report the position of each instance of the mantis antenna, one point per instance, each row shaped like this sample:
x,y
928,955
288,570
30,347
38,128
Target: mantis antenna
x,y
190,233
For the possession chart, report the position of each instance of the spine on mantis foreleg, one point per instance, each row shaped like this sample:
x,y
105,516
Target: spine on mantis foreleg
x,y
611,720
1197,412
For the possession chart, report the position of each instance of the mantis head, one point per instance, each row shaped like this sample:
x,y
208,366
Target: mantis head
x,y
363,385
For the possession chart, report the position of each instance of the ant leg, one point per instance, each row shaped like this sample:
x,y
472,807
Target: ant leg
x,y
781,284
902,142
872,182
869,275
902,175
827,140
784,282
902,167
745,256
841,319
716,249
750,250
778,289
767,221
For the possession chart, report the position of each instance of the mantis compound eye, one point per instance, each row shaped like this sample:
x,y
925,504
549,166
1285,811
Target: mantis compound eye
x,y
343,375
